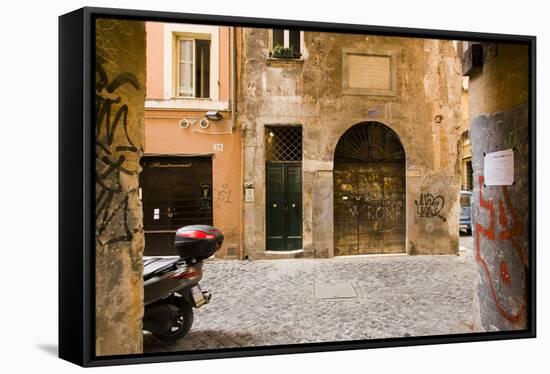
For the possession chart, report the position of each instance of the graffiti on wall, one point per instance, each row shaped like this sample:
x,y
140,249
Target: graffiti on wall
x,y
113,147
509,229
224,194
374,198
430,206
376,209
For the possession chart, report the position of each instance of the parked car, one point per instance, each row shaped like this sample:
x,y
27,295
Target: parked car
x,y
466,211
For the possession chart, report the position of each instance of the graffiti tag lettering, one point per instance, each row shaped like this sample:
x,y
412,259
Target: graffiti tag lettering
x,y
428,206
111,115
224,194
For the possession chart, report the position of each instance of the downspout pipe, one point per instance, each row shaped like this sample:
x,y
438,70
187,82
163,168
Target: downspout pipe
x,y
233,79
233,127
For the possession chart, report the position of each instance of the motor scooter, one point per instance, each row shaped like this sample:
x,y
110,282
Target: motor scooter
x,y
171,284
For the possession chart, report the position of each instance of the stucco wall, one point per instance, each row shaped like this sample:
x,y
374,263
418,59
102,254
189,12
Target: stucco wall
x,y
120,94
155,61
309,93
155,58
164,135
500,120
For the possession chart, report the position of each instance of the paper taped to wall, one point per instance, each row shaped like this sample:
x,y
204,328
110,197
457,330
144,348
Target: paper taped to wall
x,y
499,168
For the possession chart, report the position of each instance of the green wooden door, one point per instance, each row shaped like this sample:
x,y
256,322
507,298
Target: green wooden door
x,y
284,206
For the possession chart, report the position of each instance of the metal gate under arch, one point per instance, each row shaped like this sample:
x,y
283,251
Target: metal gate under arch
x,y
369,191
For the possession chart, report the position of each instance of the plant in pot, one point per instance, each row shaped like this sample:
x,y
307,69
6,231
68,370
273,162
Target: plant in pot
x,y
280,51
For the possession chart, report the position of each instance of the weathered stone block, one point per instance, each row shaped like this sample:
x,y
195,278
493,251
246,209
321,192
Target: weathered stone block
x,y
120,95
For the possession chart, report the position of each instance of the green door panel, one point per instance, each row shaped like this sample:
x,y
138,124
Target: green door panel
x,y
275,206
293,206
284,206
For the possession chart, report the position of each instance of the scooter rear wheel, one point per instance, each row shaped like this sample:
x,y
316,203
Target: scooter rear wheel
x,y
182,321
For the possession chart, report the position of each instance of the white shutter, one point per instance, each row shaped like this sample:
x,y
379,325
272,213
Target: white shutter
x,y
186,68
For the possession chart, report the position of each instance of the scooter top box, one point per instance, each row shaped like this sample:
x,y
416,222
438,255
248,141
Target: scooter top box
x,y
197,241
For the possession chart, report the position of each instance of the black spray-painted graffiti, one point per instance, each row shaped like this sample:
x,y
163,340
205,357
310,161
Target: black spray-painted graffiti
x,y
428,206
111,115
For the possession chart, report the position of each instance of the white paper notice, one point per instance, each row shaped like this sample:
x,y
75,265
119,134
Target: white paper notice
x,y
499,168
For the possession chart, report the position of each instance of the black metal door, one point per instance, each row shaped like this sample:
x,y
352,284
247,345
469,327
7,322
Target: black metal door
x,y
175,192
284,206
369,192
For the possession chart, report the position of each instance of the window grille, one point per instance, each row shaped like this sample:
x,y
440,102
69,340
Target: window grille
x,y
283,143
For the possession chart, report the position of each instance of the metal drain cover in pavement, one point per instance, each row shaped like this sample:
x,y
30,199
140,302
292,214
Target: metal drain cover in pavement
x,y
334,290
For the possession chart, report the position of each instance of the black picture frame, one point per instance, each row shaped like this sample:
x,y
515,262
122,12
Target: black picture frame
x,y
76,186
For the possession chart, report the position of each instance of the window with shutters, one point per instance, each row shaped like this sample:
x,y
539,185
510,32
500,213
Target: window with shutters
x,y
193,67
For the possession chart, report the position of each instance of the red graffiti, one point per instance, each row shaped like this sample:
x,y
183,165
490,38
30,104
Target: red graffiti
x,y
514,232
502,219
511,232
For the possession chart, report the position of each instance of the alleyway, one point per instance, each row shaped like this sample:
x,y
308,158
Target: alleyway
x,y
302,301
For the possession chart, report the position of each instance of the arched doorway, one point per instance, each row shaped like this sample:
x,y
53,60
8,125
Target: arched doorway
x,y
369,191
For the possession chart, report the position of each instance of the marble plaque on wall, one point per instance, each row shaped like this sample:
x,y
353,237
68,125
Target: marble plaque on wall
x,y
371,72
368,73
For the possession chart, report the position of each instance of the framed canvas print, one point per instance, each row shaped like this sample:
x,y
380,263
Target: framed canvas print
x,y
233,186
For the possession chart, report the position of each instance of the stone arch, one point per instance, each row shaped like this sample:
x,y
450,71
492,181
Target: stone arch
x,y
369,181
341,130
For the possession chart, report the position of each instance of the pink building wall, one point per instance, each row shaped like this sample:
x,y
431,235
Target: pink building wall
x,y
164,135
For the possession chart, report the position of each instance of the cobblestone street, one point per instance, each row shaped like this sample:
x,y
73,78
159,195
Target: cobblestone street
x,y
267,302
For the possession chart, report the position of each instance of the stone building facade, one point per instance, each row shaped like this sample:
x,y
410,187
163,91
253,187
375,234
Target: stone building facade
x,y
350,144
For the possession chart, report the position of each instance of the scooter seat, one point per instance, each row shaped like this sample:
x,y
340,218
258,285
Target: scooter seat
x,y
155,265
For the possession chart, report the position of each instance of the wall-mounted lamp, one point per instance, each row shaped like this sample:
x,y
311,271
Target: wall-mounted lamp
x,y
213,115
